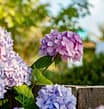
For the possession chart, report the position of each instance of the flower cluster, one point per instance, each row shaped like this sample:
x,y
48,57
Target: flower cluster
x,y
55,97
66,44
13,70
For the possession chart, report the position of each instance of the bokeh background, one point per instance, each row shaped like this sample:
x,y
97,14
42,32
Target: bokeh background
x,y
29,20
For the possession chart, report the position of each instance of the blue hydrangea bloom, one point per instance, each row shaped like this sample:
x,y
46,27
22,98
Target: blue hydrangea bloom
x,y
55,97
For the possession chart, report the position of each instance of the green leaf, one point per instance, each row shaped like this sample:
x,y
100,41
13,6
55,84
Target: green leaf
x,y
57,60
25,96
42,62
73,12
39,78
24,90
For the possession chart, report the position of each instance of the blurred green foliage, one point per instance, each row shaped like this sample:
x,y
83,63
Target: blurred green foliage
x,y
91,73
67,18
23,19
29,20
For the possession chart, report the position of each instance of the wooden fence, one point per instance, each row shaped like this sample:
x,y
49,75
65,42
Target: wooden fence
x,y
88,97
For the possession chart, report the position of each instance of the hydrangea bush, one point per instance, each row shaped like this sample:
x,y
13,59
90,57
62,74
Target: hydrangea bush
x,y
16,75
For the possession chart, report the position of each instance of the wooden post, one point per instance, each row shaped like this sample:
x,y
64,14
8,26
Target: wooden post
x,y
90,97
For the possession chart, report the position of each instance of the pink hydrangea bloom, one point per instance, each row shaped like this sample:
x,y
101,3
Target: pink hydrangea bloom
x,y
70,46
66,44
13,70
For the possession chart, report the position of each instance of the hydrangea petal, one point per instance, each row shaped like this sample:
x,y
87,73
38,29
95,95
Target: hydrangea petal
x,y
58,97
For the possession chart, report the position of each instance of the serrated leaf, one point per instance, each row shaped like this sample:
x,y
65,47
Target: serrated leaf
x,y
42,62
25,96
24,90
39,78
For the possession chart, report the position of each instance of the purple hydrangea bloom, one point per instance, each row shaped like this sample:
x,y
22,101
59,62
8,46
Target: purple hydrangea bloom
x,y
49,43
55,97
66,44
13,70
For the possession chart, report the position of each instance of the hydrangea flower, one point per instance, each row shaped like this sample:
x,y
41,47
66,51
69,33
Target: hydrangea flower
x,y
2,88
16,71
6,42
49,43
55,97
13,70
66,44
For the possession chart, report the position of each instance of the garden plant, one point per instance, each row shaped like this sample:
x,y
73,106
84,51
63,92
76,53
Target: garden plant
x,y
18,80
